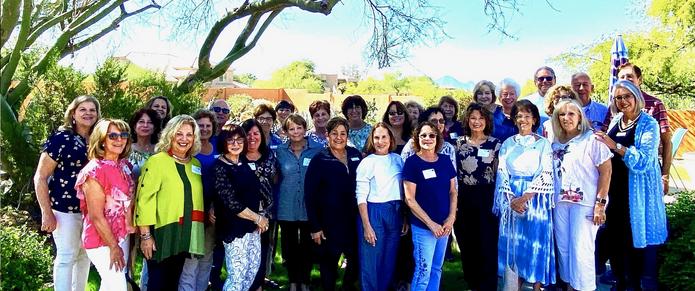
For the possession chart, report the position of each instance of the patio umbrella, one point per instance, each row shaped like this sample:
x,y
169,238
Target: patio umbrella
x,y
618,57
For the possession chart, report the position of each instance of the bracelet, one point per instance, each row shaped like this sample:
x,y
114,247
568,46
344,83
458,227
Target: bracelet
x,y
601,201
146,236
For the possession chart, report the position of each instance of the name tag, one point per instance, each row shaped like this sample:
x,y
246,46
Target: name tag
x,y
621,134
429,174
355,159
217,156
483,153
453,135
196,170
273,147
252,166
306,162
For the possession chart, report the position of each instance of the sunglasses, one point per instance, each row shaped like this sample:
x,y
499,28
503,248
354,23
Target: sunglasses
x,y
394,113
430,135
220,109
545,79
435,121
116,135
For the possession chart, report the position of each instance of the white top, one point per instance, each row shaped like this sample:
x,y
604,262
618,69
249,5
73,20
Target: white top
x,y
379,178
548,130
537,100
576,168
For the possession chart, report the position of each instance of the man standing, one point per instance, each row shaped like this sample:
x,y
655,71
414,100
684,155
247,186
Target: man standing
x,y
596,112
544,78
221,110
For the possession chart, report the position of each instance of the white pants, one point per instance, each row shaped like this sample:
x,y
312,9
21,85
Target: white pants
x,y
243,257
575,235
71,266
196,271
111,279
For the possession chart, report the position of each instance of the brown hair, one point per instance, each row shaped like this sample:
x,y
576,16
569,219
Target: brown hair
x,y
416,136
96,150
487,115
369,147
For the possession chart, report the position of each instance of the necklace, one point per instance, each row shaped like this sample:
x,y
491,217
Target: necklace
x,y
183,160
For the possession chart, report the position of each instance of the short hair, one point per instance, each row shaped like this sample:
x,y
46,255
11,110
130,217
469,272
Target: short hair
x,y
425,116
294,118
554,90
213,101
636,92
479,86
416,136
247,125
284,104
577,74
407,125
169,131
484,112
70,111
263,108
638,71
170,107
228,132
352,101
319,104
414,104
156,123
334,122
95,149
509,82
204,113
452,101
370,148
525,105
559,132
549,69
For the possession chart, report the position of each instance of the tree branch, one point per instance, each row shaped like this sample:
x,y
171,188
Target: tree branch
x,y
9,69
10,16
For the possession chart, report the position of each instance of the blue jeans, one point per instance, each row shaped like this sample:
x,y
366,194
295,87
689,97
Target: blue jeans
x,y
377,263
428,252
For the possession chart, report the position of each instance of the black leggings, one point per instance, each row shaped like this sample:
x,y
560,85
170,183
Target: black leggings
x,y
296,249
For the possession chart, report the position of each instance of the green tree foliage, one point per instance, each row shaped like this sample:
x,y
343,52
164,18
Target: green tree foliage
x,y
678,270
26,257
666,54
238,105
112,92
296,75
246,78
395,84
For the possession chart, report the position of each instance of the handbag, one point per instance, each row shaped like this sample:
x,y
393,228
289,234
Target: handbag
x,y
511,277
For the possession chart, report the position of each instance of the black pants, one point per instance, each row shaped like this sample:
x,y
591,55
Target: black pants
x,y
268,242
476,231
328,264
165,275
216,282
296,249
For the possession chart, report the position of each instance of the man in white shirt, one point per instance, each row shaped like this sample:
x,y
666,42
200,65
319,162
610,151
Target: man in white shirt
x,y
544,78
596,112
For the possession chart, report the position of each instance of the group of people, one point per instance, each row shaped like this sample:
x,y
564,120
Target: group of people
x,y
523,185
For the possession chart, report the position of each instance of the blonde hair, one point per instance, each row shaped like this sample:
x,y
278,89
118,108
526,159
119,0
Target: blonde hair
x,y
558,131
70,111
95,149
557,90
168,133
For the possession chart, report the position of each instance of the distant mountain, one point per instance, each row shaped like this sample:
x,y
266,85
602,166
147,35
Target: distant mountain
x,y
451,82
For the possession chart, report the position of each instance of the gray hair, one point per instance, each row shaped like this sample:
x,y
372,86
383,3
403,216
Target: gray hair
x,y
509,82
558,131
634,90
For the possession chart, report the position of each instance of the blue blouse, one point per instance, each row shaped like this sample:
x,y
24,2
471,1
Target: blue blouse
x,y
503,126
291,204
69,151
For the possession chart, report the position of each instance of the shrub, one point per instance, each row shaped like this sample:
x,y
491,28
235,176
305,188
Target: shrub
x,y
678,269
26,258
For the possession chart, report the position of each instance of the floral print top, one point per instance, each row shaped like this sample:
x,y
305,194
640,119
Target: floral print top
x,y
477,164
315,137
265,168
116,180
69,151
358,137
137,159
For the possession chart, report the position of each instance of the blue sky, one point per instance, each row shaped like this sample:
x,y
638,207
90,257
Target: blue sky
x,y
337,40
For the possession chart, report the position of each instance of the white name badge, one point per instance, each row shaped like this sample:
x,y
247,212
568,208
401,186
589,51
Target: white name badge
x,y
621,134
306,162
273,147
483,153
355,159
217,156
429,174
252,166
196,170
453,135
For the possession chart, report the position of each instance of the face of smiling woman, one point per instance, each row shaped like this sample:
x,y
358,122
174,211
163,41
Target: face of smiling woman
x,y
381,140
476,122
183,140
337,138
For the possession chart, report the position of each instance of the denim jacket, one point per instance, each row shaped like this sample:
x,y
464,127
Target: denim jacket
x,y
291,204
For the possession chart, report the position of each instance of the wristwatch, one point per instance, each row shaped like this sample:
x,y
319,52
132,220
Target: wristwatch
x,y
618,146
602,201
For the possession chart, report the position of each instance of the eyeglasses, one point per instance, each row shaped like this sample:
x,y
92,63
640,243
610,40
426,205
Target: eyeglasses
x,y
116,135
428,135
218,109
238,140
394,113
623,97
435,121
264,119
524,116
545,78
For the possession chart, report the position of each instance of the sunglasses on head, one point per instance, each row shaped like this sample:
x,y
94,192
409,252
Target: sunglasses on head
x,y
220,109
116,135
428,135
545,79
394,113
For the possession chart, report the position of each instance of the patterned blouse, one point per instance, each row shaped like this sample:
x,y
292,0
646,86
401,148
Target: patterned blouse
x,y
137,159
315,137
265,169
116,180
477,164
358,137
69,150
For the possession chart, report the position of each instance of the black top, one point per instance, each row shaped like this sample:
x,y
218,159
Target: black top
x,y
453,133
329,188
69,151
618,209
265,168
236,187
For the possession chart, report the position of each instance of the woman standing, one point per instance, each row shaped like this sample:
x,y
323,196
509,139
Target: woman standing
x,y
379,202
355,110
582,166
266,116
162,106
238,207
430,192
476,227
452,128
504,125
331,206
398,120
294,157
63,156
283,109
320,111
552,97
484,94
169,207
414,111
105,189
144,134
636,217
525,186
